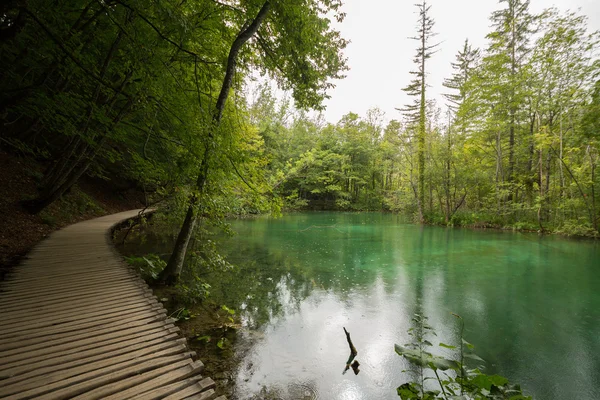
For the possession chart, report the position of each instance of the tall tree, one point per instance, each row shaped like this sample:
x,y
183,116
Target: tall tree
x,y
172,271
507,56
467,61
417,88
293,43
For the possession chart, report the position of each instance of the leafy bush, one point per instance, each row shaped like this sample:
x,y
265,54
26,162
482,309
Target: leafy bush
x,y
192,293
454,379
148,266
525,226
294,202
579,227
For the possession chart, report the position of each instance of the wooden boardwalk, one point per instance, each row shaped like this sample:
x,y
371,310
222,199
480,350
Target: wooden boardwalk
x,y
76,322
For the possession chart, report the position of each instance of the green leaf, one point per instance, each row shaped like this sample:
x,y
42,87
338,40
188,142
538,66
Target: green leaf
x,y
424,359
474,357
469,345
487,381
409,391
204,338
447,346
222,343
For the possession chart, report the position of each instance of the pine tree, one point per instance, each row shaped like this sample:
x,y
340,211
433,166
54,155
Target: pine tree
x,y
467,60
417,88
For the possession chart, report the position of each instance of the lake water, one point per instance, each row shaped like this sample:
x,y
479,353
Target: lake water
x,y
531,304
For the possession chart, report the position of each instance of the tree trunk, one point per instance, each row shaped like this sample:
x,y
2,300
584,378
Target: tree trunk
x,y
448,172
593,189
172,271
62,172
76,170
422,116
530,175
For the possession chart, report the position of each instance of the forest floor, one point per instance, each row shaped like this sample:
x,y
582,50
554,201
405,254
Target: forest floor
x,y
20,230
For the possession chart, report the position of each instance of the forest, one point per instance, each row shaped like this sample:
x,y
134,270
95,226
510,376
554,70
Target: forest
x,y
213,110
516,146
158,95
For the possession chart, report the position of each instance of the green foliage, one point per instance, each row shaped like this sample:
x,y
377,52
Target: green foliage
x,y
191,293
518,148
148,266
182,314
223,343
455,380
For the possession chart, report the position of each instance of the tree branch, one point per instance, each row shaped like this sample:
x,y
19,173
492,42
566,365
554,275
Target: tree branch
x,y
72,57
164,37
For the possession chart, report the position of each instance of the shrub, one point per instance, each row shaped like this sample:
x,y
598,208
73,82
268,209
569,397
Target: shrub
x,y
454,379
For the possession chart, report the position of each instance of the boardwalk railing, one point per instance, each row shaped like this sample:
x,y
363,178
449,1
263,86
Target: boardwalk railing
x,y
76,322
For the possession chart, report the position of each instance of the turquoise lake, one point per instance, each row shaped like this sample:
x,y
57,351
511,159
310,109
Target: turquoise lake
x,y
531,304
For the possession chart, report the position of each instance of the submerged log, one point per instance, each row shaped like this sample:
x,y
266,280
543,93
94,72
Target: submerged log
x,y
353,351
353,354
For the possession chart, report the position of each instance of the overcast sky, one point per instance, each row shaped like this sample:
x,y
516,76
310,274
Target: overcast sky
x,y
380,54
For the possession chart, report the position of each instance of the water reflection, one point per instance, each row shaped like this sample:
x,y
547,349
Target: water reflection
x,y
530,304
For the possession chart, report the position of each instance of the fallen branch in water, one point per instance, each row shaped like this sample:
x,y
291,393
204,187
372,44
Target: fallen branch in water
x,y
353,351
353,354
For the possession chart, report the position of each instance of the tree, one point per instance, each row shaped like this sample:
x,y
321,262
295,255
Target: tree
x,y
417,89
292,36
507,57
467,62
90,84
460,116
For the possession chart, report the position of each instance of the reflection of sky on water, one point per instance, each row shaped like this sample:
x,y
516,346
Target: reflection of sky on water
x,y
309,345
371,274
530,304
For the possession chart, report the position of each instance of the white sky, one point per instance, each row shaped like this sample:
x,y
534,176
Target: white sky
x,y
380,54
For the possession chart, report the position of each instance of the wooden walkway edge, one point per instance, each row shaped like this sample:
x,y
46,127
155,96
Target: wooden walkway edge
x,y
77,323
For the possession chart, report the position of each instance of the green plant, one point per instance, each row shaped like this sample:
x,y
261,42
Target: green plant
x,y
223,343
454,379
192,293
182,314
148,266
230,312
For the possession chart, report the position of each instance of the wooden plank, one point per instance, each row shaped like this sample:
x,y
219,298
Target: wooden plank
x,y
169,347
67,297
192,392
84,342
81,278
120,383
110,376
72,307
39,363
54,286
64,379
74,318
90,324
166,390
58,266
136,320
151,384
77,322
59,312
82,299
50,286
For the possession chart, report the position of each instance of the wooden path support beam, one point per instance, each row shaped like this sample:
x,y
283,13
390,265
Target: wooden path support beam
x,y
77,322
